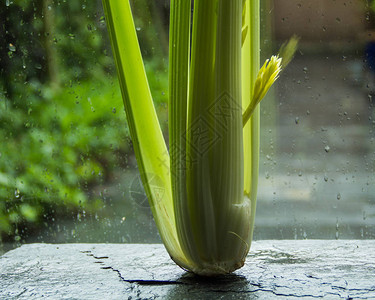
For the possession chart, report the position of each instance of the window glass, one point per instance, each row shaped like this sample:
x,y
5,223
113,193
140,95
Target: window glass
x,y
67,167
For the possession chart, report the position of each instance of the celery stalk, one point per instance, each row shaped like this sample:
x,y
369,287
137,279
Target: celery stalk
x,y
205,213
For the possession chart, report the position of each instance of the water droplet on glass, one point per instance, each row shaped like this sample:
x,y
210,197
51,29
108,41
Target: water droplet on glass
x,y
12,47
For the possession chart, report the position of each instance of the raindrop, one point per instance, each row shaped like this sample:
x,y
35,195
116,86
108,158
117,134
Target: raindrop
x,y
338,196
17,193
138,28
114,110
305,69
338,20
325,178
327,148
296,120
7,3
12,47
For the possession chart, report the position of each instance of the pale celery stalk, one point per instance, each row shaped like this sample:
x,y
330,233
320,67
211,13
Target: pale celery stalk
x,y
250,67
179,53
206,212
198,215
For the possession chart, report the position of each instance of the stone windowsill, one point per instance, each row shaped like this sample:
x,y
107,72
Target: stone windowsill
x,y
274,269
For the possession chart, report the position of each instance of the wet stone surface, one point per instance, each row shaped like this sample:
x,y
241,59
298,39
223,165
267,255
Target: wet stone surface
x,y
285,269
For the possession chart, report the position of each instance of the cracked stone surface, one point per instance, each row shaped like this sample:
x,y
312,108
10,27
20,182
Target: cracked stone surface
x,y
274,269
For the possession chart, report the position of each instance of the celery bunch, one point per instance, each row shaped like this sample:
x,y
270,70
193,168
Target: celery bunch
x,y
204,203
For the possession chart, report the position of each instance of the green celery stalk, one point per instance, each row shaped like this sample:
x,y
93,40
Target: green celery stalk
x,y
205,213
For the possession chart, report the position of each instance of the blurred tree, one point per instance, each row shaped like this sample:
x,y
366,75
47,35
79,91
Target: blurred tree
x,y
61,115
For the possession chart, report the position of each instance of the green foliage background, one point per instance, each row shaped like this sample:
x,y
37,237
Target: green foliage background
x,y
62,125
